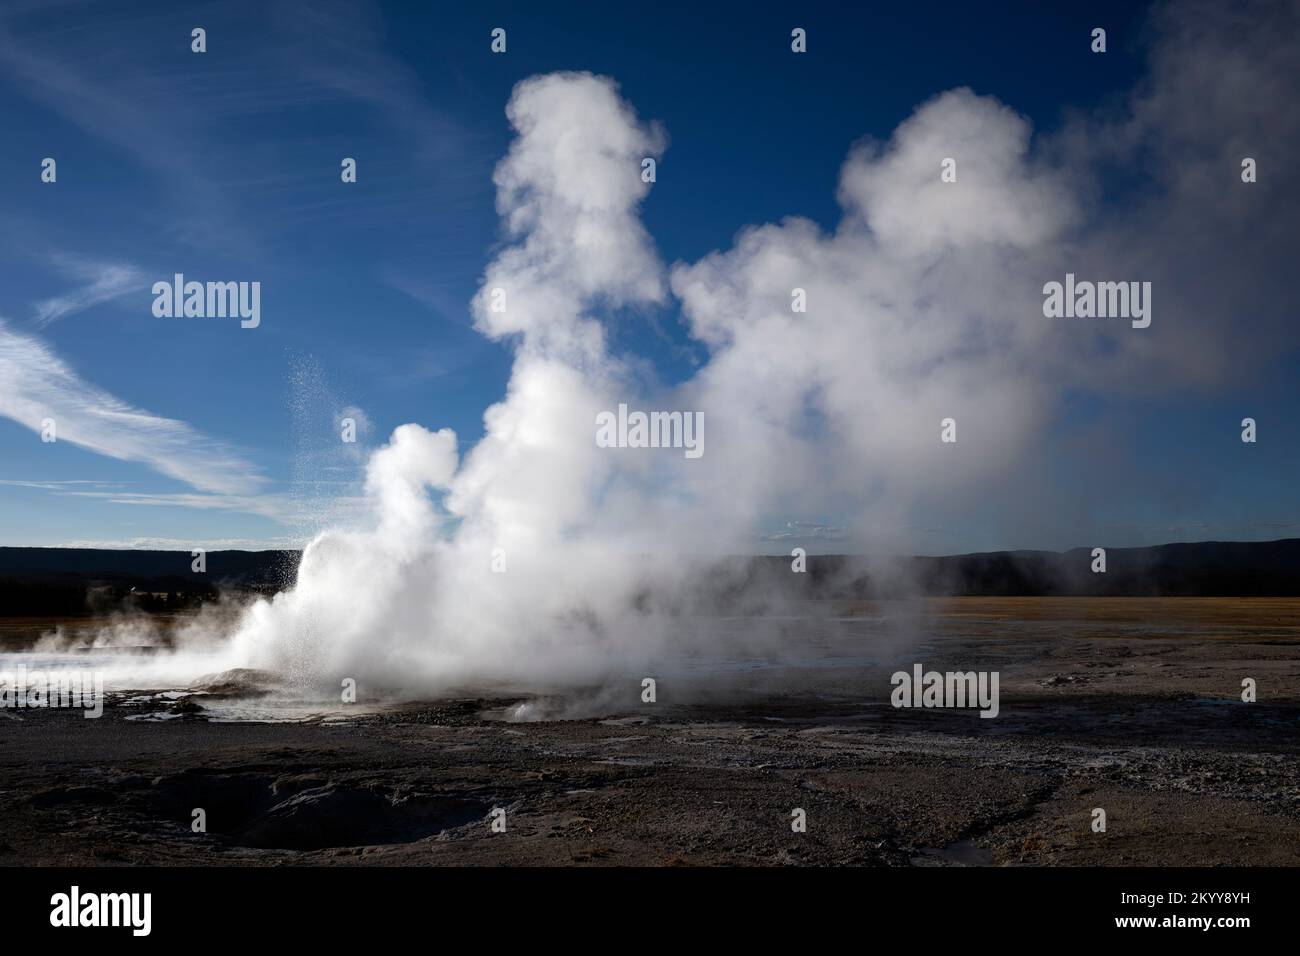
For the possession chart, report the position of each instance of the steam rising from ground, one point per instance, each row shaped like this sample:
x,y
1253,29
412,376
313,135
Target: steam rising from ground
x,y
923,303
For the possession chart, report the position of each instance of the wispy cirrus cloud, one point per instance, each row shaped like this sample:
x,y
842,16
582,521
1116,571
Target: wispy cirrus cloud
x,y
268,506
105,77
187,544
344,506
287,509
61,485
102,282
35,384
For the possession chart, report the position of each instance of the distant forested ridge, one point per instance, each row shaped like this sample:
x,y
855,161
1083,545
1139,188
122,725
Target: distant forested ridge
x,y
71,581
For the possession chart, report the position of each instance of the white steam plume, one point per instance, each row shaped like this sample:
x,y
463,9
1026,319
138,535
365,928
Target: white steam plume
x,y
924,303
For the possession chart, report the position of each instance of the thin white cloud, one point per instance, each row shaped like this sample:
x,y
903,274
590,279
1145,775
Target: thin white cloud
x,y
103,77
102,281
268,506
35,385
57,485
287,509
188,544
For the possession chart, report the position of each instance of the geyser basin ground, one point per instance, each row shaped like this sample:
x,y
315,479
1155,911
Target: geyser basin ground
x,y
1099,709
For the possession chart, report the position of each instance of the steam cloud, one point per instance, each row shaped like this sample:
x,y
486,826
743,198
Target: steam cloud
x,y
923,303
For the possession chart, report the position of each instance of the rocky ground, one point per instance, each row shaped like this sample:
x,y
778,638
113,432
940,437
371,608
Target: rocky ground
x,y
1101,709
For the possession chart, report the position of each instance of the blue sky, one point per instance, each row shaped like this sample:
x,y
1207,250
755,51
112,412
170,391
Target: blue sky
x,y
225,166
